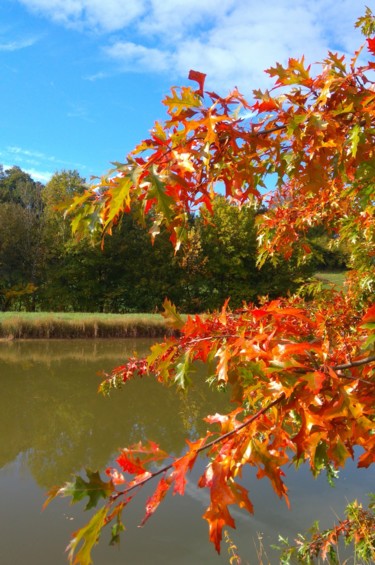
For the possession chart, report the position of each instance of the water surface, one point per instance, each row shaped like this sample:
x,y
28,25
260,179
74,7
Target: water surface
x,y
53,423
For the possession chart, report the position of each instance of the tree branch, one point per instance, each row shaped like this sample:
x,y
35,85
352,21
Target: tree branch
x,y
363,361
204,447
271,130
247,422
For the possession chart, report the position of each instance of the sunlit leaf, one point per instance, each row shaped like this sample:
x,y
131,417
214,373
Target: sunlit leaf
x,y
84,539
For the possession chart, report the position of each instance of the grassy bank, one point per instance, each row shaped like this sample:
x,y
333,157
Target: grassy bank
x,y
43,325
335,278
47,325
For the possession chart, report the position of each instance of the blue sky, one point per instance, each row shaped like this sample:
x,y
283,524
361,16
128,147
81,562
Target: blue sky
x,y
82,80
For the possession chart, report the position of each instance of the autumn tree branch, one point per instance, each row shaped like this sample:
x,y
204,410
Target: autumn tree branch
x,y
203,448
268,131
363,361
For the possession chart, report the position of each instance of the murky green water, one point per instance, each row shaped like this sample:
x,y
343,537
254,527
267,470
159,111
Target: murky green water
x,y
53,424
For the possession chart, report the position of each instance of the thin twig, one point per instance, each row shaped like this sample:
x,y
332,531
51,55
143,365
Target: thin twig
x,y
349,377
363,361
267,131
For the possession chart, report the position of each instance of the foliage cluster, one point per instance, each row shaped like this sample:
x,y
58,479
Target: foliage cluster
x,y
357,528
300,369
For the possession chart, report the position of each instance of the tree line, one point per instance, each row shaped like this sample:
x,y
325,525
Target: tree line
x,y
44,268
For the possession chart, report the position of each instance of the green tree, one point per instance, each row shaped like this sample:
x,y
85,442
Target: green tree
x,y
63,186
18,187
81,276
129,262
329,254
19,270
228,236
62,261
21,241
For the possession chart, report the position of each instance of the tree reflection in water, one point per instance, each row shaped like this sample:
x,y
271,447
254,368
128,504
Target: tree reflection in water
x,y
57,422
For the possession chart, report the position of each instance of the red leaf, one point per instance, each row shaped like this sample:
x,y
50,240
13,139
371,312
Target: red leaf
x,y
133,459
199,78
185,464
265,105
371,45
154,501
134,467
369,317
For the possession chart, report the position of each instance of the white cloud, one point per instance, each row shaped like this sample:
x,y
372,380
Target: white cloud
x,y
19,153
37,175
133,57
36,163
98,15
80,112
16,45
173,19
233,41
97,76
41,176
242,44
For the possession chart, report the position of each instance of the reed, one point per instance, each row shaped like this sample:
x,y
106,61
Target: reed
x,y
43,325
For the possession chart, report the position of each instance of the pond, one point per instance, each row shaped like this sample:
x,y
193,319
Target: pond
x,y
53,423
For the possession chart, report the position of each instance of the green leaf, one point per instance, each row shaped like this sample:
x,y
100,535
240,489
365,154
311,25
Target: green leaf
x,y
295,121
119,199
370,341
339,452
116,529
355,137
123,167
187,99
320,458
171,316
94,489
183,370
164,203
88,536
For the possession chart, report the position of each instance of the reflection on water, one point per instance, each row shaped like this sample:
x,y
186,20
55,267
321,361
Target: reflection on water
x,y
58,423
53,423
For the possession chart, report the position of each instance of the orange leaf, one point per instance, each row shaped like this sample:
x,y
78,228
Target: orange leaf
x,y
314,381
369,317
185,464
368,458
298,349
222,368
223,314
217,518
154,501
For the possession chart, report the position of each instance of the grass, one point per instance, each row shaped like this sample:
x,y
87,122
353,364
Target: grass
x,y
47,325
336,278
